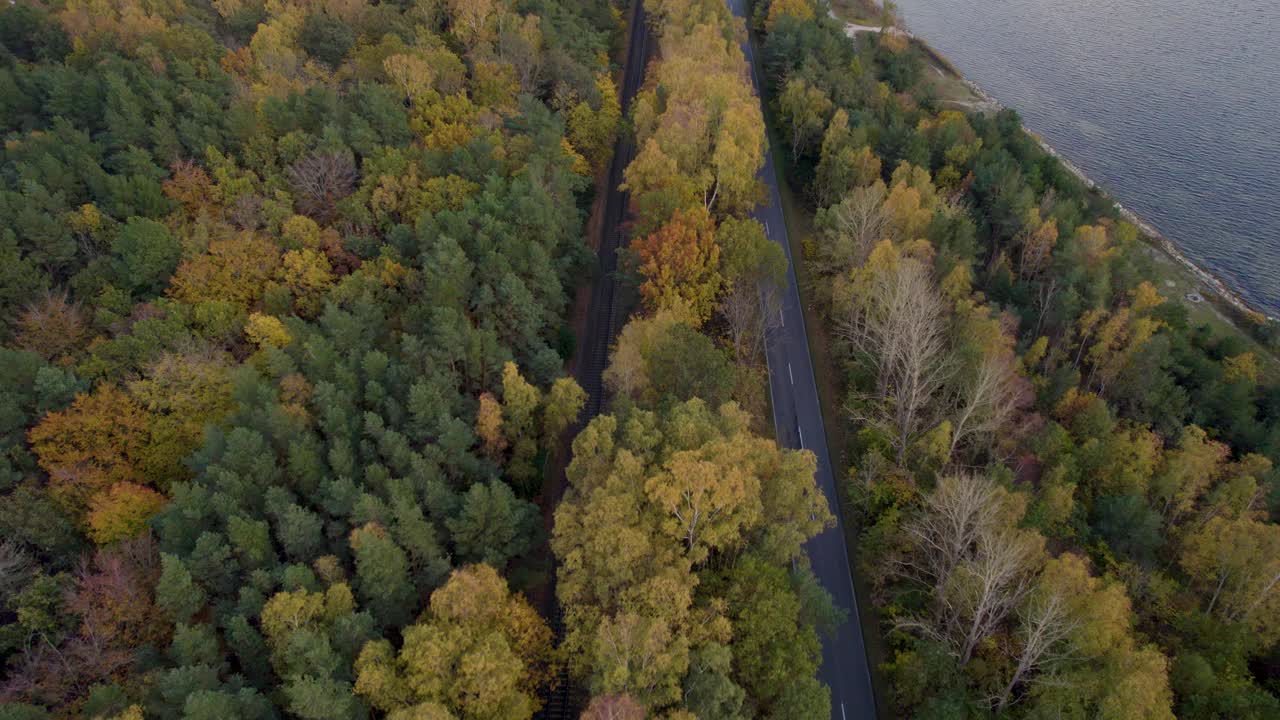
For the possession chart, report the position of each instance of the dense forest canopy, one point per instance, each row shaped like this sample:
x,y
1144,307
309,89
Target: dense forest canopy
x,y
283,309
1065,488
285,317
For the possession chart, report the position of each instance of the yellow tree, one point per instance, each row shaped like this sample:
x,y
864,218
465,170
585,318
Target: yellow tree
x,y
648,500
1186,472
591,130
1037,240
494,86
736,155
489,425
564,404
658,186
803,107
625,585
1095,245
1081,629
469,20
698,124
266,331
799,9
413,74
113,23
844,162
1119,336
680,264
1068,613
708,502
627,373
122,512
183,394
97,442
909,210
479,652
308,275
234,270
520,402
1236,565
1243,367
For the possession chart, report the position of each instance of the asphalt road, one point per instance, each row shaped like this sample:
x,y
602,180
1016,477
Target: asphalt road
x,y
797,417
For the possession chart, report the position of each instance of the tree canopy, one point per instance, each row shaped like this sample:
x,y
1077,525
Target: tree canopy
x,y
282,302
1064,487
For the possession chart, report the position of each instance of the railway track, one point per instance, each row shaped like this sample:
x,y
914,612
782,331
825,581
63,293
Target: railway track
x,y
562,701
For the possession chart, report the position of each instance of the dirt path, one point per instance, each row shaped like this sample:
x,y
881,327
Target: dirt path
x,y
852,29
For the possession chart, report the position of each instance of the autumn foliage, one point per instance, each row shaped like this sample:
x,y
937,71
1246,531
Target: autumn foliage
x,y
122,512
478,652
285,287
111,595
99,441
234,270
680,264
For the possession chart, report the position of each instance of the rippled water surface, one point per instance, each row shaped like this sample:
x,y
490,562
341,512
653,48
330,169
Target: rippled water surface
x,y
1171,105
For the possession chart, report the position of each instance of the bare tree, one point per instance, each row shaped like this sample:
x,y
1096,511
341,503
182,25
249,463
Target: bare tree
x,y
967,549
987,587
522,46
52,325
900,326
853,226
989,399
1044,301
614,707
1046,622
959,509
321,181
14,568
246,211
750,313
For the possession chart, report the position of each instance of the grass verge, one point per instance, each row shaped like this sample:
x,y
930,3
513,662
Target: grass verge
x,y
862,12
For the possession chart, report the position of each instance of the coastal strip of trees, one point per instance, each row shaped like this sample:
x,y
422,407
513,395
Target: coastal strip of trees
x,y
1065,489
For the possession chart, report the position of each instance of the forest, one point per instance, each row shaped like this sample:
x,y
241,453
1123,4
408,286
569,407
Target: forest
x,y
1064,489
287,330
682,576
284,320
286,323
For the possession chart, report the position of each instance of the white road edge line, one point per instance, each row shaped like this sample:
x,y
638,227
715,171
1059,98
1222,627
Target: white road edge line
x,y
781,320
768,166
793,377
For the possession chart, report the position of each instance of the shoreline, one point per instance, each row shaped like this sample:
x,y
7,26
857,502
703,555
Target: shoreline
x,y
1158,240
1216,289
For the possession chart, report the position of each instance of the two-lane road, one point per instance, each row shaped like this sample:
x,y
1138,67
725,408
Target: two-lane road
x,y
797,418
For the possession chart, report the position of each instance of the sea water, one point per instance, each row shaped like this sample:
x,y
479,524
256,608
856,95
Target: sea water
x,y
1172,106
